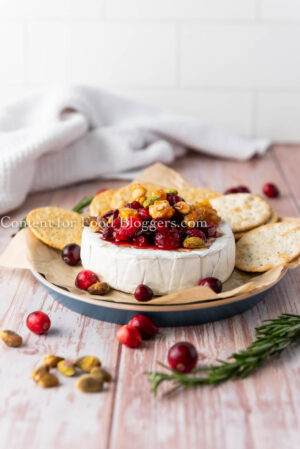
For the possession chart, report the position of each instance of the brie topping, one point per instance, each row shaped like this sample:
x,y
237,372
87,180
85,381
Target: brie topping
x,y
165,271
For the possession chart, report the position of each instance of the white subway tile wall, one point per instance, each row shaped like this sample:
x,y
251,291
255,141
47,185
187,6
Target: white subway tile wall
x,y
231,62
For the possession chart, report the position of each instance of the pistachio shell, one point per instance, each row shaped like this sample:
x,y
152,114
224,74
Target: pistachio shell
x,y
39,372
51,360
101,374
66,368
48,380
10,338
89,384
99,288
193,242
87,362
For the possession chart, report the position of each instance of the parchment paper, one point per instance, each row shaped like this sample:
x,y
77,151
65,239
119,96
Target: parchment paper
x,y
25,251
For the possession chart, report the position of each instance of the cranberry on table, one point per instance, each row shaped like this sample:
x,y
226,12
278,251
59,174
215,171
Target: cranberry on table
x,y
213,283
38,322
144,325
182,357
270,190
71,254
143,293
85,279
238,189
129,336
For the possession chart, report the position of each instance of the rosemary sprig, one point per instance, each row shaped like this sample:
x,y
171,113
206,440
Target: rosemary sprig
x,y
271,339
82,204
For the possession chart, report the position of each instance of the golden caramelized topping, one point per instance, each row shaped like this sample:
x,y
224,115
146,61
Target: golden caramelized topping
x,y
161,209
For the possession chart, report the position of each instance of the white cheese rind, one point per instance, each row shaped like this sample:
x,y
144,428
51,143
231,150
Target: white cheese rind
x,y
124,268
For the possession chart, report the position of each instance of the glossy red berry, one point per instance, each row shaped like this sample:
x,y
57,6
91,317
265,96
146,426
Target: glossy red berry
x,y
85,279
213,283
134,205
144,213
128,228
270,190
71,254
141,241
168,239
210,230
129,336
144,325
238,189
38,322
194,232
143,293
182,357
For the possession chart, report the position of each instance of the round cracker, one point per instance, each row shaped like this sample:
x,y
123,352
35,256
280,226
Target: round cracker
x,y
102,202
55,226
268,246
243,211
194,195
273,219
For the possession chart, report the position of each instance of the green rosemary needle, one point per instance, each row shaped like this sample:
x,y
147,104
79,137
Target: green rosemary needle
x,y
271,339
82,204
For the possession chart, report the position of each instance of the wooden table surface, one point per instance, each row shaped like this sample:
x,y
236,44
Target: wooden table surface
x,y
261,412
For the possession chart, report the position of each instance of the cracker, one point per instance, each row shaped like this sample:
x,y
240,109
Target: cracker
x,y
194,195
243,211
273,219
54,226
102,202
268,246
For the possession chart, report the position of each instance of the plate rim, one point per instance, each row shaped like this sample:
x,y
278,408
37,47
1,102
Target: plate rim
x,y
154,307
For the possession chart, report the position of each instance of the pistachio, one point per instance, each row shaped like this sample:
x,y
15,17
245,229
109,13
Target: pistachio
x,y
172,191
48,380
51,360
87,362
151,200
182,207
39,372
10,338
89,384
99,288
101,374
193,242
66,368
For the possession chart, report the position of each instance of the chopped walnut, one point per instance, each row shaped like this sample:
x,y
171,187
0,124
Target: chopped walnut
x,y
138,192
182,207
161,209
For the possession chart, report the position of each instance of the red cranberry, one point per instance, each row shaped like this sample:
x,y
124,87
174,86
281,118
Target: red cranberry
x,y
210,230
162,224
128,228
143,293
238,189
85,279
129,336
107,233
71,254
213,283
38,322
144,325
173,198
116,223
194,232
167,239
270,190
144,214
141,241
101,191
134,205
182,357
111,213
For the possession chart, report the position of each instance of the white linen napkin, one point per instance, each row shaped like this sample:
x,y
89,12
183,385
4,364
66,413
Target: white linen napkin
x,y
71,134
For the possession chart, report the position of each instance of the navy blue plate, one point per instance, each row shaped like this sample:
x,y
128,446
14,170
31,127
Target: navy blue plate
x,y
176,315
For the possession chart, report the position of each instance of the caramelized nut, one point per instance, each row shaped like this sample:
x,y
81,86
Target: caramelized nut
x,y
99,288
125,213
150,201
182,207
162,195
11,338
171,191
161,209
138,192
